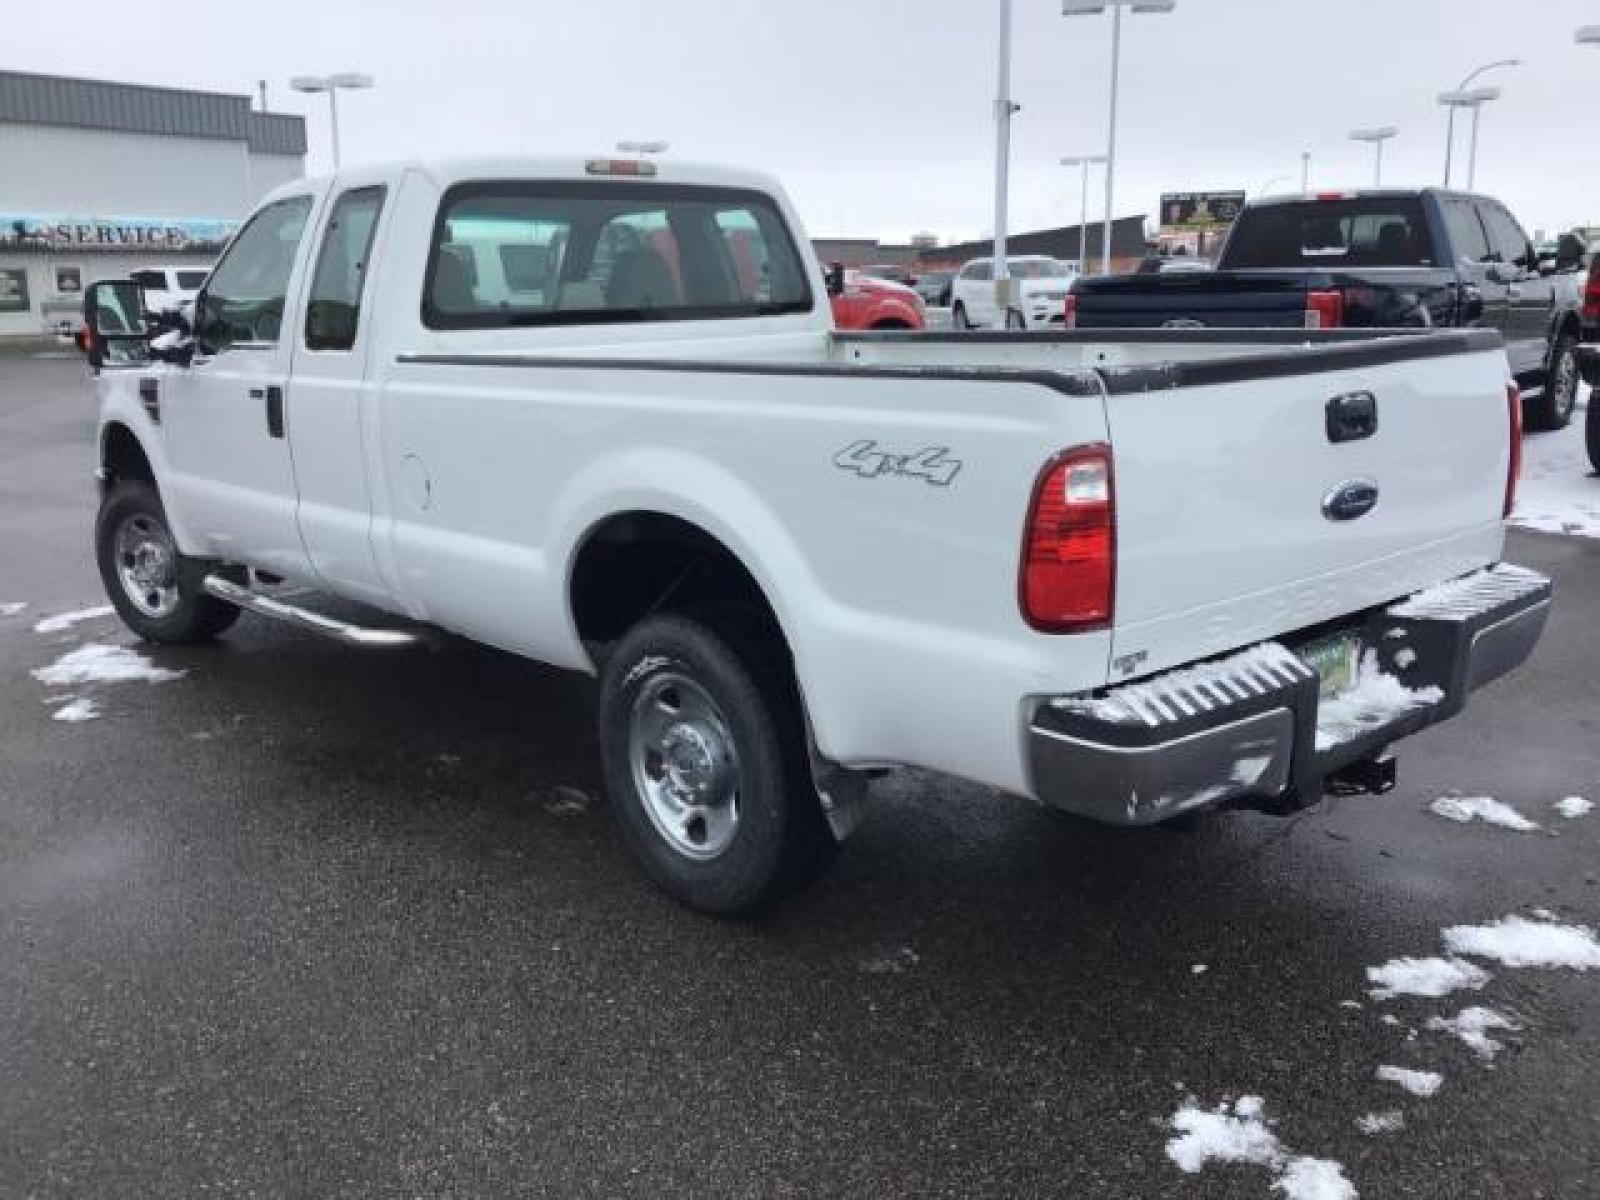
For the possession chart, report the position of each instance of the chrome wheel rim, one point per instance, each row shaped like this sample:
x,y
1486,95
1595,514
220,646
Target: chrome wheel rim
x,y
685,765
1566,384
147,565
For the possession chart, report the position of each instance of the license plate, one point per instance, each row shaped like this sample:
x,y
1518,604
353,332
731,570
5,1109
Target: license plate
x,y
1336,659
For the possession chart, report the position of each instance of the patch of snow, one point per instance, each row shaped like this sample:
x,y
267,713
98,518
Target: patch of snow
x,y
1418,1083
1431,977
1351,1004
1573,807
1465,809
97,662
1374,699
79,708
1199,969
567,802
1559,492
1373,1124
1519,942
1241,1135
1154,702
1405,659
12,607
1391,1019
1458,599
1314,1179
172,339
897,962
67,620
1472,1026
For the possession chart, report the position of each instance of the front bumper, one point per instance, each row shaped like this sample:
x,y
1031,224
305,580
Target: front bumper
x,y
1250,730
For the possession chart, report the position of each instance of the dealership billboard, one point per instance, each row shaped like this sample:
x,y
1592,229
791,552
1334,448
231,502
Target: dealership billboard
x,y
53,231
1199,212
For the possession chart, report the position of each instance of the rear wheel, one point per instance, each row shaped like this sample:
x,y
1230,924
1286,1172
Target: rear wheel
x,y
703,748
1015,321
154,588
1553,408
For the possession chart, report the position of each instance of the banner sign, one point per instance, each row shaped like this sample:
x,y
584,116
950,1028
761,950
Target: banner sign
x,y
1199,212
36,231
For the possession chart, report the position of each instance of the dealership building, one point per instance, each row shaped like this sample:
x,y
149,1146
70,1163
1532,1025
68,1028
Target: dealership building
x,y
98,179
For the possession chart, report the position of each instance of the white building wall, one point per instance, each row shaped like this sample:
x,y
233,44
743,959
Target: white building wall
x,y
268,171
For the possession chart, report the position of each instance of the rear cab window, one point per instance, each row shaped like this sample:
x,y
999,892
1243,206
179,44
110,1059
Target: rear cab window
x,y
1364,231
530,252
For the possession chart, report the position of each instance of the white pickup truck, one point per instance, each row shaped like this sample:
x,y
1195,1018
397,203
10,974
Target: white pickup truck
x,y
595,413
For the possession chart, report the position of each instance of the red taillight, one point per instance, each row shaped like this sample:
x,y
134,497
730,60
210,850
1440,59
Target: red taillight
x,y
1069,555
1069,311
1324,310
1591,293
1514,467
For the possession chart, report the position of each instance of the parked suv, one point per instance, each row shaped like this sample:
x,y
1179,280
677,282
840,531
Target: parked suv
x,y
1041,288
1375,259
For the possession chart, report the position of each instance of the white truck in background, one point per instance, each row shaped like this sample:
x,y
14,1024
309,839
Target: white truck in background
x,y
594,413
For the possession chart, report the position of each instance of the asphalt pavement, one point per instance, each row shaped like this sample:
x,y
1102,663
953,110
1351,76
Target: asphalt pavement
x,y
305,922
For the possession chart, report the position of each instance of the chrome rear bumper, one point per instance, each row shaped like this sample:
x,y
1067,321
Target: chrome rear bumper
x,y
1250,729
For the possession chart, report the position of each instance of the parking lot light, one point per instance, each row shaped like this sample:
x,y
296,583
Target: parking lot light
x,y
1085,161
1450,128
331,84
1094,8
1475,99
1377,137
1589,35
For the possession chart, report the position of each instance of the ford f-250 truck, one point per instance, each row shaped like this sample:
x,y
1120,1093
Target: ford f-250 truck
x,y
594,413
1375,259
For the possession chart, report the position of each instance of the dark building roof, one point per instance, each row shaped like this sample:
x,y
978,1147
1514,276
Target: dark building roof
x,y
1127,241
27,99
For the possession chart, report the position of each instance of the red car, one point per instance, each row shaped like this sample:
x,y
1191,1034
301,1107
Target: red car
x,y
868,303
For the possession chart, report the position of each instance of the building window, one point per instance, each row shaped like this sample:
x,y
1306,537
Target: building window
x,y
69,280
14,290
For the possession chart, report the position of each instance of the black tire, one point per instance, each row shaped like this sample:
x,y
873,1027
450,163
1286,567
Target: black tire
x,y
1015,321
779,840
1591,432
958,316
133,505
1554,407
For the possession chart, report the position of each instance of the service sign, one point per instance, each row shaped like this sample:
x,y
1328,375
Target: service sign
x,y
1199,212
39,231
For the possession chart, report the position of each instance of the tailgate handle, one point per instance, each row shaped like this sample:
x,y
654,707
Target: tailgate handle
x,y
1352,416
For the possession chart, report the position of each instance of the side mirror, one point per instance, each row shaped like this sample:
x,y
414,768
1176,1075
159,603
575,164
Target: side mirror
x,y
114,322
834,276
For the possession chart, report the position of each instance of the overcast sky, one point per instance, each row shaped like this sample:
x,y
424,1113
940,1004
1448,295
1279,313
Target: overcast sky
x,y
878,113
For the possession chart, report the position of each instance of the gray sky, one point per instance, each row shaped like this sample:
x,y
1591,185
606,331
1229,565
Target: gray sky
x,y
877,113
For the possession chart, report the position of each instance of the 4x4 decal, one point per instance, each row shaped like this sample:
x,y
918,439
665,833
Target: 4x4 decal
x,y
932,465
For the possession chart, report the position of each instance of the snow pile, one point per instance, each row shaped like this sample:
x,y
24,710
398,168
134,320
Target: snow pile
x,y
1241,1135
100,663
12,607
1573,807
1471,1025
1418,1083
567,801
67,620
896,962
1519,942
1374,699
1559,492
1432,977
1481,808
1373,1124
78,708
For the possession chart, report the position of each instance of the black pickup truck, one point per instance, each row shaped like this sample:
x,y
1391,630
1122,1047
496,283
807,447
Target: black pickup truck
x,y
1375,259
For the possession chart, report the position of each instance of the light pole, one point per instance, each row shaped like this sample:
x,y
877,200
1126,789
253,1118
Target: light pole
x,y
1004,109
1085,161
1091,8
1305,173
1589,35
351,80
1450,129
1474,99
1377,137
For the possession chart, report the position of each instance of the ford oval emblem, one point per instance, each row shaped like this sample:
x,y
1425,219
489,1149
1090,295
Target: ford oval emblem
x,y
1351,499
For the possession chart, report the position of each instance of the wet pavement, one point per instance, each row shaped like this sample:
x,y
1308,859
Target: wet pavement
x,y
309,923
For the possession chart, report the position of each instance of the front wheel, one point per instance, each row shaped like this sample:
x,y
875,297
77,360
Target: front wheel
x,y
154,588
1553,409
958,317
1591,431
703,749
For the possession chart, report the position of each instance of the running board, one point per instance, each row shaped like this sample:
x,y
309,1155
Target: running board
x,y
304,618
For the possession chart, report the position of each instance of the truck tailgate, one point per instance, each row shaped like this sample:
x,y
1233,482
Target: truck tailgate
x,y
1213,299
1239,488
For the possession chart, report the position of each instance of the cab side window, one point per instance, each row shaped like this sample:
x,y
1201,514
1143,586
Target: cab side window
x,y
334,310
1507,242
245,296
1466,230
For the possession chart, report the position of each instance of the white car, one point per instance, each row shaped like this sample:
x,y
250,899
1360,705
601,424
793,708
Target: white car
x,y
1040,285
170,288
1130,579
